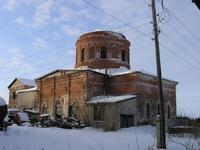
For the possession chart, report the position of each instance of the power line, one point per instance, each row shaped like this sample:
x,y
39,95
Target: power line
x,y
177,31
136,26
186,28
180,57
116,18
175,43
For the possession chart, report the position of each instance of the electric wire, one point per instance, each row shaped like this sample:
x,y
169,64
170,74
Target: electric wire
x,y
180,46
144,34
180,57
187,40
116,18
186,28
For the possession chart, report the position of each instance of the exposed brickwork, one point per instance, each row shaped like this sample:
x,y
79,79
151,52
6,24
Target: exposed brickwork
x,y
146,88
92,44
73,88
67,91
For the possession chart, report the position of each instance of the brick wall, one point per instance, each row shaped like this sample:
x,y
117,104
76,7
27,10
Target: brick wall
x,y
146,88
92,44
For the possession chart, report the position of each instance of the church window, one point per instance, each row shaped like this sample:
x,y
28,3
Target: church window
x,y
45,109
98,113
92,52
147,110
73,109
82,54
123,55
103,52
59,109
14,95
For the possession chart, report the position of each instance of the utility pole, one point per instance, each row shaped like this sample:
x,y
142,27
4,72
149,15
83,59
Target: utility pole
x,y
161,143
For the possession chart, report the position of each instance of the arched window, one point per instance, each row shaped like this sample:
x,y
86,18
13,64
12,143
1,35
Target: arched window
x,y
168,112
59,108
123,55
14,95
91,53
82,54
147,110
44,109
73,109
103,52
158,109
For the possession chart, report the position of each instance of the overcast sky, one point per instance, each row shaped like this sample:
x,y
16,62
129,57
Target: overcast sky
x,y
38,36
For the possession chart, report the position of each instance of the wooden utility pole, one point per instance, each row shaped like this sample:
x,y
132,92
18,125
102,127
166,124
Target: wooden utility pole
x,y
161,143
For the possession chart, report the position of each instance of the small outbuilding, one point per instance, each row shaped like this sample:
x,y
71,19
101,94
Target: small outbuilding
x,y
22,94
113,112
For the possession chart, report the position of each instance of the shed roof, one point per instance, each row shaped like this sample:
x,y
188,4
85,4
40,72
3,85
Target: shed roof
x,y
24,81
110,99
27,90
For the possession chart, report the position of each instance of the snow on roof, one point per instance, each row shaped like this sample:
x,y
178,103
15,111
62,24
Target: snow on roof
x,y
23,116
110,71
154,75
27,81
116,34
2,102
112,33
32,111
44,115
27,90
13,109
110,99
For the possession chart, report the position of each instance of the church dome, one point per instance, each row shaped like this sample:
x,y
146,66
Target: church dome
x,y
102,50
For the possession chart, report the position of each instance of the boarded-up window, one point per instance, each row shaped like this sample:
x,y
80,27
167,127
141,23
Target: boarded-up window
x,y
98,113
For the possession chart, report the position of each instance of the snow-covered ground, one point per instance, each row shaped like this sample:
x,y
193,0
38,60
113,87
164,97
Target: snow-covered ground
x,y
31,138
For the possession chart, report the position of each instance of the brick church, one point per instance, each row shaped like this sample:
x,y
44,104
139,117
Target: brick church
x,y
102,91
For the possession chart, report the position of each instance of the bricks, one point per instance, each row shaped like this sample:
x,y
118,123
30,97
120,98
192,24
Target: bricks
x,y
69,90
92,43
